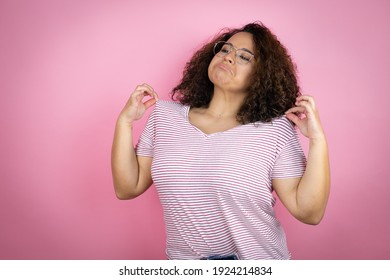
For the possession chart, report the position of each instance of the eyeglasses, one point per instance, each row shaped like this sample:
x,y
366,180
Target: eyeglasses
x,y
243,56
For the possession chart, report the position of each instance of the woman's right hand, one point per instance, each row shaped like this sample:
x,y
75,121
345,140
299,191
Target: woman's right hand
x,y
135,106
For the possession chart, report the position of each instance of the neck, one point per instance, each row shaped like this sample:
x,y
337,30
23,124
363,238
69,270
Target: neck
x,y
225,104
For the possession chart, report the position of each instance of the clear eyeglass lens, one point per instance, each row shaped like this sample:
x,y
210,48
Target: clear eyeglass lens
x,y
225,49
243,56
222,49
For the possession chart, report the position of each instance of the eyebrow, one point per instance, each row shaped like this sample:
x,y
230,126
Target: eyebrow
x,y
244,49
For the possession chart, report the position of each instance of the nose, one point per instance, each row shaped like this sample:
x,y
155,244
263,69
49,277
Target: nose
x,y
230,57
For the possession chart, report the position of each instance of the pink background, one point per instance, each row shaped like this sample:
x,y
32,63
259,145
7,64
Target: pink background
x,y
68,67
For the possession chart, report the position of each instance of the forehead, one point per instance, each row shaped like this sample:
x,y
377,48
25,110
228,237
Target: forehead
x,y
242,40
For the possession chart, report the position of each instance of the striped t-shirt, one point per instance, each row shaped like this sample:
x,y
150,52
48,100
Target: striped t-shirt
x,y
216,189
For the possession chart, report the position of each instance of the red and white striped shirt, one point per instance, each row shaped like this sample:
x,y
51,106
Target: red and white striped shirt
x,y
216,189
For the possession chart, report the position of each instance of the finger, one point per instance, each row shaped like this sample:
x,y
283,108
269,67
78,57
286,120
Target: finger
x,y
152,92
294,118
296,110
150,88
150,103
307,98
144,88
155,95
308,107
142,91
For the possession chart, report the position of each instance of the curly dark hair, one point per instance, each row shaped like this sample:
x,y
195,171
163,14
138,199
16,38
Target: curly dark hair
x,y
273,87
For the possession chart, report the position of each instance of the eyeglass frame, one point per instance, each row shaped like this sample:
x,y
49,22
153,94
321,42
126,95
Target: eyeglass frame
x,y
232,48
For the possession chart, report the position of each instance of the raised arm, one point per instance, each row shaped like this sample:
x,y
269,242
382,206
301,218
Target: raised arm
x,y
131,174
306,198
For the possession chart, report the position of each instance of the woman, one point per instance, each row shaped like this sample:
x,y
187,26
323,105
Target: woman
x,y
216,156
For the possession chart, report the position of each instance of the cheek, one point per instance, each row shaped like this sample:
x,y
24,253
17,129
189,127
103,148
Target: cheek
x,y
212,70
212,64
246,77
209,70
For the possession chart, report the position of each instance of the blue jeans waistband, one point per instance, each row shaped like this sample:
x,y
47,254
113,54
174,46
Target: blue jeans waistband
x,y
219,257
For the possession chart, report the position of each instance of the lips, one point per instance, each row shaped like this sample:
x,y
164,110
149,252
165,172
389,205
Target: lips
x,y
225,67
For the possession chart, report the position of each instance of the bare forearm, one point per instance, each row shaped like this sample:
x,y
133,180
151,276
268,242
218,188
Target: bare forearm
x,y
131,174
124,162
314,187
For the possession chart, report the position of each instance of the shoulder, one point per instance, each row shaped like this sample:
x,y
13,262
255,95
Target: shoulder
x,y
165,105
279,129
167,109
283,123
277,124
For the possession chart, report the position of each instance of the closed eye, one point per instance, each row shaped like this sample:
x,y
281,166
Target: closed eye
x,y
245,56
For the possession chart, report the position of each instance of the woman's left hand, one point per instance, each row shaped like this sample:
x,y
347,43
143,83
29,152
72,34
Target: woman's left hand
x,y
308,119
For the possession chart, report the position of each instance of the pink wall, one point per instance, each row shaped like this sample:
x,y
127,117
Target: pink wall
x,y
67,68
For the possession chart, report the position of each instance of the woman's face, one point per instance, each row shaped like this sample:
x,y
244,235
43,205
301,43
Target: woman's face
x,y
228,72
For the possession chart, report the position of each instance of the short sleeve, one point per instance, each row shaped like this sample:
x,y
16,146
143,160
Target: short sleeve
x,y
291,161
145,144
